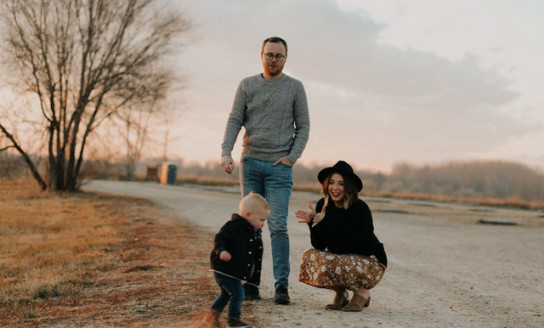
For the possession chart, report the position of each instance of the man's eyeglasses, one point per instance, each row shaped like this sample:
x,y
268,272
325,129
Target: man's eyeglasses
x,y
270,56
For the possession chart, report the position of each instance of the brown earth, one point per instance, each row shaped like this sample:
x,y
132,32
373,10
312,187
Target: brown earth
x,y
155,275
447,269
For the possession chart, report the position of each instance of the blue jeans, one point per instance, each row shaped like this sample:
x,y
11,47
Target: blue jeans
x,y
231,290
274,183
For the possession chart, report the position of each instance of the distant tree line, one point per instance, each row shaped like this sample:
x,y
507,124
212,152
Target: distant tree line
x,y
470,179
460,180
494,179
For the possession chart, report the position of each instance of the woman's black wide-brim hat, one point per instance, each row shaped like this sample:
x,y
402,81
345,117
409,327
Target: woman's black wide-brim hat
x,y
345,170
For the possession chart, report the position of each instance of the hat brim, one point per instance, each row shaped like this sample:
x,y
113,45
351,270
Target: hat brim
x,y
326,172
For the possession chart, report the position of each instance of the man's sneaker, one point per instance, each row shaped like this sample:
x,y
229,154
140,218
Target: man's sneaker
x,y
239,324
251,292
282,296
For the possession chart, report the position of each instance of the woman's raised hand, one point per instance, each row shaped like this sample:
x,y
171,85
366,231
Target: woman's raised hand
x,y
305,216
319,216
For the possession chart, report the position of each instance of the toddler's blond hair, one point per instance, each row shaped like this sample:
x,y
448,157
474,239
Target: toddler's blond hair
x,y
253,202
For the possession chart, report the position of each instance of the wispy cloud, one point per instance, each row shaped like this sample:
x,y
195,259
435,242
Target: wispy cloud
x,y
375,102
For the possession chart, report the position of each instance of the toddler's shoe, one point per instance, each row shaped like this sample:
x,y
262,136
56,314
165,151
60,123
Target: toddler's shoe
x,y
239,324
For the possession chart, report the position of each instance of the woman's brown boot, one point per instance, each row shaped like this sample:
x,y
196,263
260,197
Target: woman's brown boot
x,y
356,304
340,300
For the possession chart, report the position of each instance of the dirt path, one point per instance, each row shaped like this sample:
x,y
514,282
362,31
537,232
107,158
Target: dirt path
x,y
446,269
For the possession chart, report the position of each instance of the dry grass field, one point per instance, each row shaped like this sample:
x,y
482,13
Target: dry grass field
x,y
91,260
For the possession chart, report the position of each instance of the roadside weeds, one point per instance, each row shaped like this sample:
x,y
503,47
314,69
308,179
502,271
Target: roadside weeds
x,y
99,260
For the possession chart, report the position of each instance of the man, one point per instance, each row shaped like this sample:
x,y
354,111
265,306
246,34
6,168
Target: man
x,y
273,109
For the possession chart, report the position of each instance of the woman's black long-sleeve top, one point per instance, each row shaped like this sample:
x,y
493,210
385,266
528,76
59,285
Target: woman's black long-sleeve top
x,y
348,231
239,238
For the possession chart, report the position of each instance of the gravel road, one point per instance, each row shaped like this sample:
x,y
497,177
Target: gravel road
x,y
446,269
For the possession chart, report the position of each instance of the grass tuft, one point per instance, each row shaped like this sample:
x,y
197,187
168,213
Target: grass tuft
x,y
47,291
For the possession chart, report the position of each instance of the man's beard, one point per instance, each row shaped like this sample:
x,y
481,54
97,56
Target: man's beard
x,y
276,72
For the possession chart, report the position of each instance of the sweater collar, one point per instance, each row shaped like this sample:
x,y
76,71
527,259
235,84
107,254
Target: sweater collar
x,y
272,81
241,220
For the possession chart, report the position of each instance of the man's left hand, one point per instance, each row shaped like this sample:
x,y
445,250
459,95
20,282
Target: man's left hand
x,y
284,161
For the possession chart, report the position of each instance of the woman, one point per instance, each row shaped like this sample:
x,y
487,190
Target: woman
x,y
347,254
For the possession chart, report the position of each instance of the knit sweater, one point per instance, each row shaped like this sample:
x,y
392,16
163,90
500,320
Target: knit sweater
x,y
348,231
275,116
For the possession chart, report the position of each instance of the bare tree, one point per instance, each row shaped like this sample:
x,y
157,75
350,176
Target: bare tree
x,y
136,125
136,121
86,60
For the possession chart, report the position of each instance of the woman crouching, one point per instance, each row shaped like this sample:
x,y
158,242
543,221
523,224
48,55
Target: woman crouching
x,y
347,255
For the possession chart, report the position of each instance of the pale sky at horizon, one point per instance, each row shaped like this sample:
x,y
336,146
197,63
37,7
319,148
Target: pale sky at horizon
x,y
423,82
411,81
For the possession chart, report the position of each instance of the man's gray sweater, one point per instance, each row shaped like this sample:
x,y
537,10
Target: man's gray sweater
x,y
275,116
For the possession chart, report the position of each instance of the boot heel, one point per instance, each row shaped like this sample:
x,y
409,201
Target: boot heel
x,y
356,304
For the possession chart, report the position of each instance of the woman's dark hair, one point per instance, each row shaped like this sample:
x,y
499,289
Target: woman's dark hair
x,y
275,39
349,189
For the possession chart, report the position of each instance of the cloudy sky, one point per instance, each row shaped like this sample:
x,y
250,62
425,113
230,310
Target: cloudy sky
x,y
417,81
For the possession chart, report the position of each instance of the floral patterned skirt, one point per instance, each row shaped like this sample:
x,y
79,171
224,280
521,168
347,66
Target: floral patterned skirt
x,y
351,271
